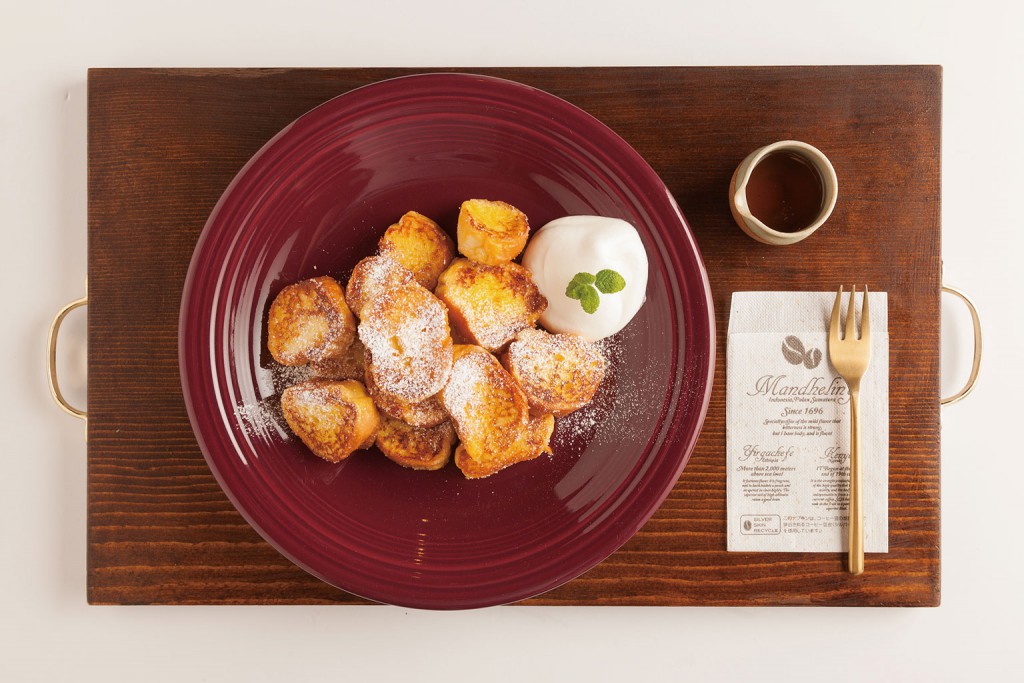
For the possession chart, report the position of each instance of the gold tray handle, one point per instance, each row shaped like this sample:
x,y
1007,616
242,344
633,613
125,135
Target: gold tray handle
x,y
977,347
51,359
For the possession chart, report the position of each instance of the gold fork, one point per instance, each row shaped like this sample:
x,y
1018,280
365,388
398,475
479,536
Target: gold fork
x,y
850,356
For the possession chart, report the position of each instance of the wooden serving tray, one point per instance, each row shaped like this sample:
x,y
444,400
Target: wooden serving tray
x,y
164,144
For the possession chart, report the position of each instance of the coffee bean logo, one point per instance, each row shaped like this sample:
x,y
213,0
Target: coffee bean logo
x,y
794,351
812,358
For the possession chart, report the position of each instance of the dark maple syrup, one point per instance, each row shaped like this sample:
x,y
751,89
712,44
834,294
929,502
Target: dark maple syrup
x,y
785,192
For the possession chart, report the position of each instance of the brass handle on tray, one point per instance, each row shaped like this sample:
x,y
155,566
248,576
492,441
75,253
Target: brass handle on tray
x,y
977,347
51,359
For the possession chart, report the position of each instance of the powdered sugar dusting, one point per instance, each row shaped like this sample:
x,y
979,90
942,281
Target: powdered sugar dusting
x,y
373,277
408,343
264,418
611,416
287,375
467,375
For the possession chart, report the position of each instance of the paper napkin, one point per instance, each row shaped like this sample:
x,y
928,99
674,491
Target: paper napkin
x,y
788,426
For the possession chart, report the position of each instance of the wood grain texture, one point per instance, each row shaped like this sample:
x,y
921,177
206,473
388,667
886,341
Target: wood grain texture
x,y
163,145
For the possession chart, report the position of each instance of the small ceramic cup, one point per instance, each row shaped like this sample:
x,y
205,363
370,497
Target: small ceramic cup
x,y
738,192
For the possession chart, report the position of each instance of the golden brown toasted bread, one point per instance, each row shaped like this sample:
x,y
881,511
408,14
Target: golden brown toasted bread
x,y
349,365
533,441
491,232
332,418
309,322
489,305
491,415
420,245
559,373
427,413
420,448
371,277
487,407
408,343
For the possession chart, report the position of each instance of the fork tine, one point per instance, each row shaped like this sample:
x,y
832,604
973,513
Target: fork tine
x,y
865,318
833,326
851,323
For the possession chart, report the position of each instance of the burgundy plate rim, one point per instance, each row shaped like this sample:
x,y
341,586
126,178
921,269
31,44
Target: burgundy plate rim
x,y
191,319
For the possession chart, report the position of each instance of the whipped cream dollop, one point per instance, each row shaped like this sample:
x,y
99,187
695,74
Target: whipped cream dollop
x,y
566,247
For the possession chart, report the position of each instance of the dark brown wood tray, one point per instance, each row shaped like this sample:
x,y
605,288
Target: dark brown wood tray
x,y
163,145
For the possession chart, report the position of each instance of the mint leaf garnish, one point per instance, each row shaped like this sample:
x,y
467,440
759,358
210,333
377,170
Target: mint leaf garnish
x,y
609,282
582,287
589,299
584,278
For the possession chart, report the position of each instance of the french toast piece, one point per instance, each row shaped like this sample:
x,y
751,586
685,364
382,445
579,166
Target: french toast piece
x,y
487,407
419,448
490,412
428,413
371,277
559,373
420,245
332,418
309,321
408,343
489,305
491,232
349,365
533,441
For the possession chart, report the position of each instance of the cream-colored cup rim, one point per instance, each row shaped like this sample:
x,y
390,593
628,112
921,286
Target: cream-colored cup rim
x,y
828,176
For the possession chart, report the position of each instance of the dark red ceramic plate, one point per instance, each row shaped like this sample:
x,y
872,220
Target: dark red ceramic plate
x,y
314,201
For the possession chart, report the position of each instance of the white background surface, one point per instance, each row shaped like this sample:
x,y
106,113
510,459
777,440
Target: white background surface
x,y
47,632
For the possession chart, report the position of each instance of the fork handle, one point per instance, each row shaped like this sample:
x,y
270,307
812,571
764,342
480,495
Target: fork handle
x,y
856,523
